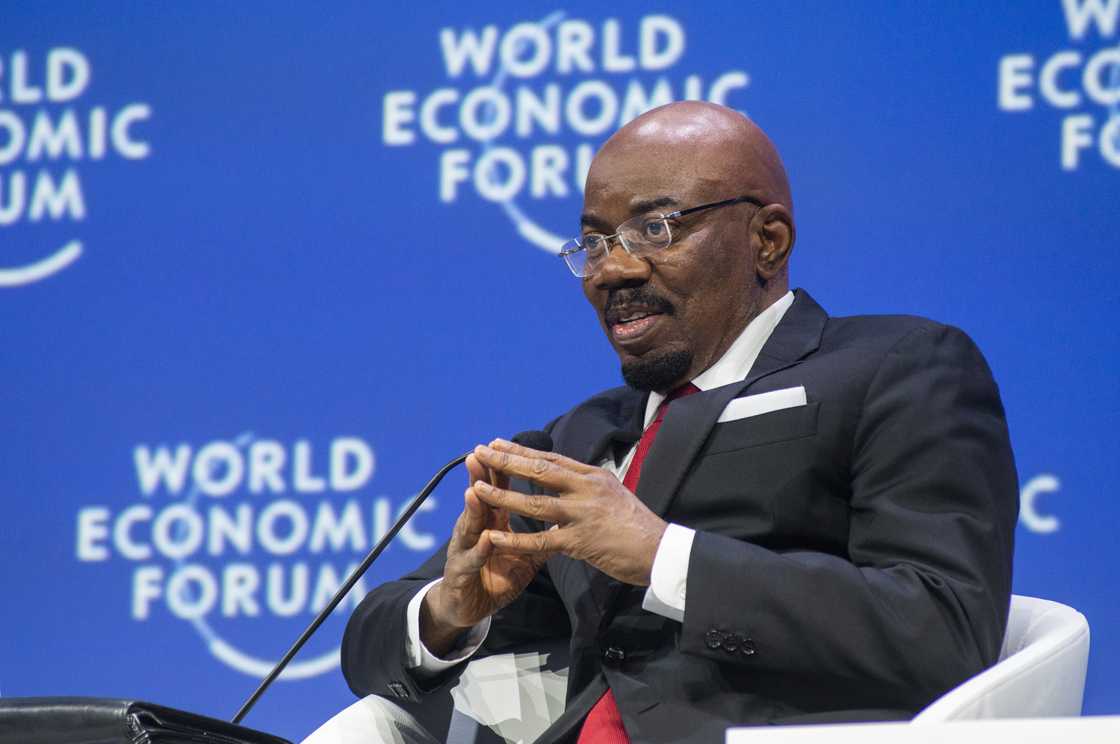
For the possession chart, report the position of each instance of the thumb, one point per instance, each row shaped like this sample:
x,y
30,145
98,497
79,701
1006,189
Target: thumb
x,y
475,558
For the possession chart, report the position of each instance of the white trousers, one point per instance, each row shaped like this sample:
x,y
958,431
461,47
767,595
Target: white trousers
x,y
505,698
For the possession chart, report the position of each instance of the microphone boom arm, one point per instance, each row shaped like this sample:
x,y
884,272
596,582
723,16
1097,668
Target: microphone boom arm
x,y
346,587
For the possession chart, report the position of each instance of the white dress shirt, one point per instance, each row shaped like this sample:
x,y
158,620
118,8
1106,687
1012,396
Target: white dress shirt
x,y
669,576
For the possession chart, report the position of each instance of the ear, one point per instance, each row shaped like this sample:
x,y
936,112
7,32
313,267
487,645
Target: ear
x,y
773,237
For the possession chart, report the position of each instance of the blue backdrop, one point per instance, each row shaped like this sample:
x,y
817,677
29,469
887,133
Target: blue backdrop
x,y
264,267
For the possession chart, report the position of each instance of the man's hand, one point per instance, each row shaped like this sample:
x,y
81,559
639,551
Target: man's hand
x,y
477,580
597,519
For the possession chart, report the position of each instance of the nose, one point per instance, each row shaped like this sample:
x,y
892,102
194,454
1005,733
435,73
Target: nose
x,y
620,269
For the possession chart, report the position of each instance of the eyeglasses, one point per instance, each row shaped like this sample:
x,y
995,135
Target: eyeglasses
x,y
639,236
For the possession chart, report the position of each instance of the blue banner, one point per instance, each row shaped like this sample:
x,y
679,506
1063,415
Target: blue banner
x,y
265,267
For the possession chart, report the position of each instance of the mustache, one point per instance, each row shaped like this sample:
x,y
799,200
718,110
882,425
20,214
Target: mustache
x,y
620,302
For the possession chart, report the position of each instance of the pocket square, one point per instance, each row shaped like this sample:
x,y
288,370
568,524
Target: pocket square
x,y
753,405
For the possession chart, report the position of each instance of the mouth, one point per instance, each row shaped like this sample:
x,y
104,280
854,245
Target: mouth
x,y
630,324
632,316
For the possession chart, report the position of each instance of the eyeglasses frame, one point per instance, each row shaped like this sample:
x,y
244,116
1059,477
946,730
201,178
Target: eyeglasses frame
x,y
671,216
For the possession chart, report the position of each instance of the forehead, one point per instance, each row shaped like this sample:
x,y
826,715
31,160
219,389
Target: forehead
x,y
627,180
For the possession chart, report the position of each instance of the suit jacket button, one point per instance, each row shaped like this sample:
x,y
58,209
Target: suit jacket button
x,y
732,642
614,655
747,648
713,639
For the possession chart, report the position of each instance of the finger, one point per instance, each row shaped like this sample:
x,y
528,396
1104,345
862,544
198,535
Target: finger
x,y
470,524
539,544
499,518
476,512
475,470
533,505
474,559
503,445
542,471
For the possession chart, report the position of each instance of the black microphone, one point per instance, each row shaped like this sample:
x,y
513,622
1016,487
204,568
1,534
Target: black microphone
x,y
538,440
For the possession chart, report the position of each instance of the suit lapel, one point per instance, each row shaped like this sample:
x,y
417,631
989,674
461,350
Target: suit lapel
x,y
689,420
602,433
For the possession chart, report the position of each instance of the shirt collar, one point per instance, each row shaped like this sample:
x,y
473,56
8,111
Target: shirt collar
x,y
737,361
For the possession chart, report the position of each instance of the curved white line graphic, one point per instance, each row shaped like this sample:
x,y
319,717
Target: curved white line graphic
x,y
255,667
42,268
531,231
526,227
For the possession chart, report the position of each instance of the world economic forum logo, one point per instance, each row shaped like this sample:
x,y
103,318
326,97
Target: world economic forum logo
x,y
1082,82
525,107
245,540
48,132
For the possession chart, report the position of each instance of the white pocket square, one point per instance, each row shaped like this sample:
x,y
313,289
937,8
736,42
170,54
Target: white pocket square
x,y
753,405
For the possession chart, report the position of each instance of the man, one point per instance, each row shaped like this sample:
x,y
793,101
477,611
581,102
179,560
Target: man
x,y
783,517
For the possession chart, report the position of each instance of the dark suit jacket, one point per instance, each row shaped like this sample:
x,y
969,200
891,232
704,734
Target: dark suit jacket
x,y
852,559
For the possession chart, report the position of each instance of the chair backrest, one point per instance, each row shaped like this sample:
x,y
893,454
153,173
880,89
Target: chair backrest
x,y
1040,674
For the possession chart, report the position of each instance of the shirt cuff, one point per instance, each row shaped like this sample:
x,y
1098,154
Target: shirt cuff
x,y
423,661
669,577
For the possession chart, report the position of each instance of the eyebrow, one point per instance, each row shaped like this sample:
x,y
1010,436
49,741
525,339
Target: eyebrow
x,y
587,219
637,206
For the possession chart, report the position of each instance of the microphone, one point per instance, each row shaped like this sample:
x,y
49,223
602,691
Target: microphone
x,y
538,440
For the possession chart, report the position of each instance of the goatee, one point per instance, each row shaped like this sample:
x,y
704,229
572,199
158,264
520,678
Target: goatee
x,y
655,371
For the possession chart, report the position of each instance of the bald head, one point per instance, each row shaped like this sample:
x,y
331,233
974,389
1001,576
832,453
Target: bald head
x,y
704,141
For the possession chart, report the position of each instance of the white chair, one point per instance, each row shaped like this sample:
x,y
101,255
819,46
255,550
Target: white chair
x,y
513,697
1040,673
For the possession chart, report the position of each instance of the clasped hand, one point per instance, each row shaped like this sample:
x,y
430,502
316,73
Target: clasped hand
x,y
593,518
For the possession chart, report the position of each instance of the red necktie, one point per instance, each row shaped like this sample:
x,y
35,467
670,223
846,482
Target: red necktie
x,y
603,724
